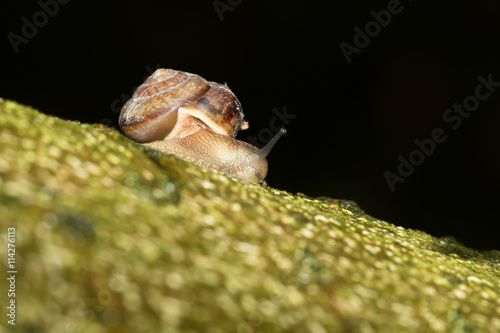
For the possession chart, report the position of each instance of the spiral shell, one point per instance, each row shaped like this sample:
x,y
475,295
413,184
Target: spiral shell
x,y
183,115
153,110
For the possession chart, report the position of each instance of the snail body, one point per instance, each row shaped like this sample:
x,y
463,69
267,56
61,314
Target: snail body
x,y
184,115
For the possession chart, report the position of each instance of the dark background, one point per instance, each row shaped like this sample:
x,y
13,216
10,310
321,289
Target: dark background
x,y
352,121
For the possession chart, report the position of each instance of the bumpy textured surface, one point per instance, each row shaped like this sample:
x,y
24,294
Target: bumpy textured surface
x,y
114,237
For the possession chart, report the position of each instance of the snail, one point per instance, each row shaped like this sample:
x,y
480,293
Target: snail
x,y
184,115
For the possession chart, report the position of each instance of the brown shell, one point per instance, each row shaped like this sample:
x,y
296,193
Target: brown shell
x,y
152,111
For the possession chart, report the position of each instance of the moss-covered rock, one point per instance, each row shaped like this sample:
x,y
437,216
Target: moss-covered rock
x,y
113,237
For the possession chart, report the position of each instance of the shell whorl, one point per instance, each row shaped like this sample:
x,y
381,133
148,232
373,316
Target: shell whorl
x,y
152,112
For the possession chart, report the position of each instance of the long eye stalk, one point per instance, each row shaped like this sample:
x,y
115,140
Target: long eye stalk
x,y
265,151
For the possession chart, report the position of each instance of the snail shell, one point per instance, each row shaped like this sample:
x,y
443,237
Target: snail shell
x,y
184,115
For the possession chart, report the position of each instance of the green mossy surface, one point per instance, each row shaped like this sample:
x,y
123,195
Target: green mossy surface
x,y
114,237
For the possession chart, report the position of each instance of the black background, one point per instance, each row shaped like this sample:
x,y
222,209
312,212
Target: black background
x,y
352,121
